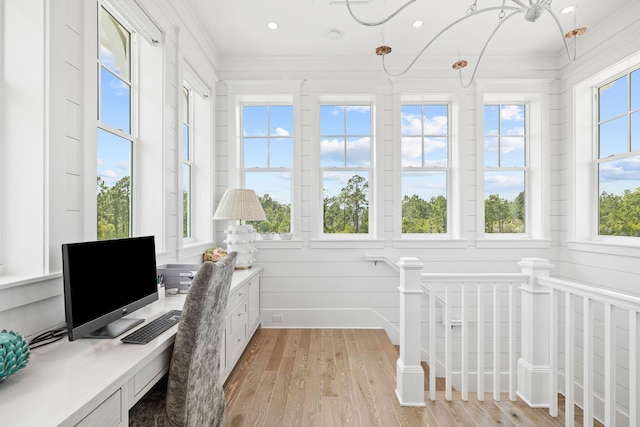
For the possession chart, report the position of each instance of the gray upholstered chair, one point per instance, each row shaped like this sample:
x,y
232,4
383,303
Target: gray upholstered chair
x,y
192,394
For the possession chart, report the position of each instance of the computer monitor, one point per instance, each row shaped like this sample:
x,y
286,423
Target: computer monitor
x,y
106,280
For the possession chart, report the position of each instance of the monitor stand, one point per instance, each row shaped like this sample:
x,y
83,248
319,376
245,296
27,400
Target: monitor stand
x,y
115,328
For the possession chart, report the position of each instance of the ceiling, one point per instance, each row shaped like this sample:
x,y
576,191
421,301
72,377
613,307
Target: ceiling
x,y
237,28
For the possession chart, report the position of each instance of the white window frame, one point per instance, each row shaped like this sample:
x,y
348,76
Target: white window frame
x,y
201,160
147,56
133,82
582,233
452,194
189,161
372,179
269,102
537,181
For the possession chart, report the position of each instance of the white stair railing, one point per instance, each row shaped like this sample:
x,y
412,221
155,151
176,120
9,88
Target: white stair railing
x,y
517,315
473,314
609,309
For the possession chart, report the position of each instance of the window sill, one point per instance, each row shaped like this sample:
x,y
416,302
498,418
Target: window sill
x,y
8,282
609,248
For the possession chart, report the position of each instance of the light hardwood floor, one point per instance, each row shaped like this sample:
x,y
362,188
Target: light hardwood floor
x,y
346,377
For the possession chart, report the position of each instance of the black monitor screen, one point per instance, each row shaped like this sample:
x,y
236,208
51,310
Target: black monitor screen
x,y
104,281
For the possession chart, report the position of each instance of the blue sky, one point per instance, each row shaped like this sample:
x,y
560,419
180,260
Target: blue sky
x,y
114,153
621,174
345,143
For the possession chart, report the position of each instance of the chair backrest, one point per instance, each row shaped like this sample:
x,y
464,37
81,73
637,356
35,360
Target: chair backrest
x,y
194,394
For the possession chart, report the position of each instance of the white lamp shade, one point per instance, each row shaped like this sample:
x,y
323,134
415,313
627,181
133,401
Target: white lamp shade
x,y
240,203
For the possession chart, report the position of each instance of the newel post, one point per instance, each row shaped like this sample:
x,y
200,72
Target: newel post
x,y
533,365
410,375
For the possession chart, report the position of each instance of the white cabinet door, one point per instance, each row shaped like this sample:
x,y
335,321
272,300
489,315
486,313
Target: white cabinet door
x,y
254,302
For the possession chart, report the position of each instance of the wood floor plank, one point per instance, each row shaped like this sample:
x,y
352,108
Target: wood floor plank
x,y
440,414
291,346
314,386
346,412
276,355
328,365
275,410
294,408
496,416
515,414
363,398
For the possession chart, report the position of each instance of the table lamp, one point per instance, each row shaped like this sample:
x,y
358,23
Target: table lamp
x,y
241,204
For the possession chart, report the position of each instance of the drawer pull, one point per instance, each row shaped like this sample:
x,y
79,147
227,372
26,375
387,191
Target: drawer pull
x,y
240,294
239,339
239,314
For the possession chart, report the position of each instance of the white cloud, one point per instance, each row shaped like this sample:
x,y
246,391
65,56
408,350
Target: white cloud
x,y
512,112
282,132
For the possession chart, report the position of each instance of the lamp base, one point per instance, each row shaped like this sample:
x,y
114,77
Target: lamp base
x,y
242,239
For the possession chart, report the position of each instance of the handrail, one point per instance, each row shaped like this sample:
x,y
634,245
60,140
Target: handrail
x,y
618,299
475,277
383,258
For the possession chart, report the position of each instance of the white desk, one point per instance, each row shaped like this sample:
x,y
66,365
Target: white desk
x,y
94,382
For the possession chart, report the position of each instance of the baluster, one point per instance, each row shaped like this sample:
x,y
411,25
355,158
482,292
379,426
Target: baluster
x,y
569,370
609,365
553,353
464,342
496,343
448,347
587,373
432,342
512,343
481,319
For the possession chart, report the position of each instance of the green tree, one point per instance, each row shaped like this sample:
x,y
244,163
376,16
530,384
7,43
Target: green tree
x,y
186,229
620,214
113,209
278,216
503,216
348,212
421,216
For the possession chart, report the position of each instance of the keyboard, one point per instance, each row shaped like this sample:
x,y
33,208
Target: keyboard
x,y
152,329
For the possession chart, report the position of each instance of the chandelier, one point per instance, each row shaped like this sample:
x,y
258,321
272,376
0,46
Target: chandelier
x,y
531,11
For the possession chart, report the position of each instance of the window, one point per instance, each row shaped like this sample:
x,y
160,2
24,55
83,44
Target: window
x,y
345,165
267,161
505,168
618,156
425,150
187,161
114,129
195,167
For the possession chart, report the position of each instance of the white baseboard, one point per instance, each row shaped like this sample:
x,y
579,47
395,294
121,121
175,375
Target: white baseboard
x,y
328,318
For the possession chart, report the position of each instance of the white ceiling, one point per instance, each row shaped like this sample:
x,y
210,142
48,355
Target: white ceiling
x,y
237,28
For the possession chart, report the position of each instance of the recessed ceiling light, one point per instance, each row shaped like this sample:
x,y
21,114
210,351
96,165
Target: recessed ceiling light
x,y
272,25
417,24
568,9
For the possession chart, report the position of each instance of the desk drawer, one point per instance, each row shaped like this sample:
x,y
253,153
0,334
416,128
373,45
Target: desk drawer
x,y
236,342
151,372
238,316
107,414
237,295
